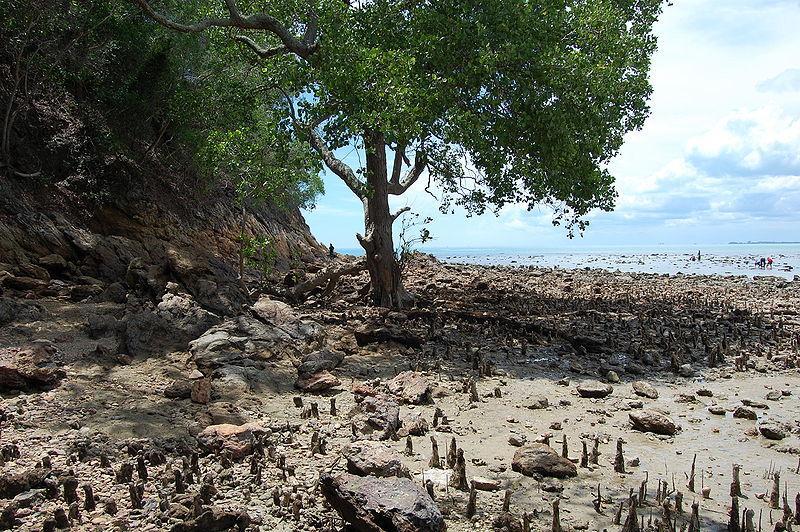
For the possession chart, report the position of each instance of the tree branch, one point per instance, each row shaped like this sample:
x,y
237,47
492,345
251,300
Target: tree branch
x,y
399,213
397,167
263,53
260,21
420,163
337,166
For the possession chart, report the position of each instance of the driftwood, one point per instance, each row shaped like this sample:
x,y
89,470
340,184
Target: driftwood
x,y
328,277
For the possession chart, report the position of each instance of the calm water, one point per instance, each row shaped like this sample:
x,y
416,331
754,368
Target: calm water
x,y
727,259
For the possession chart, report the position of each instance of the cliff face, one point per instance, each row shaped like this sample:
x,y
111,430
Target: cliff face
x,y
143,222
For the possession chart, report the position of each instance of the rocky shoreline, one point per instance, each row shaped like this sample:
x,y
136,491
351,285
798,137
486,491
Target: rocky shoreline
x,y
505,398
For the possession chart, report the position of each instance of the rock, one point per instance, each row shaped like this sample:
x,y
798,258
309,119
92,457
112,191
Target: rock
x,y
54,264
233,438
34,367
774,395
686,370
414,424
284,317
517,440
215,519
318,382
317,361
704,392
79,292
743,412
114,293
653,421
372,335
594,389
179,389
538,458
645,389
717,410
410,387
239,341
754,403
15,310
200,391
612,377
372,504
772,430
14,483
177,320
23,284
377,417
374,458
538,402
485,484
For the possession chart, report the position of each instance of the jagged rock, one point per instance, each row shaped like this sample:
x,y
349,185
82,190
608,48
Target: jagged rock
x,y
374,458
79,292
414,424
18,310
377,417
743,412
317,361
410,387
34,367
541,459
215,519
12,484
772,430
114,293
653,421
594,389
179,389
318,382
372,335
372,504
284,317
238,341
177,320
233,438
54,264
645,389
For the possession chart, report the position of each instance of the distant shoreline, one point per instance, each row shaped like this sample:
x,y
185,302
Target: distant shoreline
x,y
752,242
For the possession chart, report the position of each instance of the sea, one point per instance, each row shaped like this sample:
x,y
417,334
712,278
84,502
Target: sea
x,y
719,259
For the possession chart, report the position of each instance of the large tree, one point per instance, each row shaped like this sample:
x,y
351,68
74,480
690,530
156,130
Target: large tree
x,y
489,101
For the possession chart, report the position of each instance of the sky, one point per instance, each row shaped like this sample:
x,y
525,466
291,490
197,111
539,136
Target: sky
x,y
717,161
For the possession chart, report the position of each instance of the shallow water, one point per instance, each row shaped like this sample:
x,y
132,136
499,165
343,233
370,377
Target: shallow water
x,y
729,259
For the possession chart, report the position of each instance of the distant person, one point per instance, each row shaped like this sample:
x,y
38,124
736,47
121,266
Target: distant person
x,y
762,263
698,255
331,252
769,263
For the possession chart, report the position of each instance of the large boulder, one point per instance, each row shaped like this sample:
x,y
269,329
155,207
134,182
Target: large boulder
x,y
318,382
324,359
236,439
372,504
176,321
653,421
33,367
284,317
376,417
645,389
374,458
541,459
772,429
410,387
594,389
18,310
239,341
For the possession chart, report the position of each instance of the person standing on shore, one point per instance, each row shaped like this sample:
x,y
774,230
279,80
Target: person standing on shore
x,y
769,263
698,255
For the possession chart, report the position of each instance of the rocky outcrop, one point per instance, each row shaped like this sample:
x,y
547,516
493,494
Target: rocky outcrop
x,y
33,367
374,458
410,387
236,439
372,504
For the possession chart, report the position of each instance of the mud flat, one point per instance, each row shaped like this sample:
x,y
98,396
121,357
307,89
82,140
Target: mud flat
x,y
506,398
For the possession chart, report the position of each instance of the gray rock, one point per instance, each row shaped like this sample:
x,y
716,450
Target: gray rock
x,y
372,504
653,421
377,417
538,402
645,389
34,367
541,459
772,430
317,361
594,389
743,412
717,410
374,458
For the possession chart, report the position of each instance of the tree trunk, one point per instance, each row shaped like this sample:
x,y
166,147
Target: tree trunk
x,y
384,271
